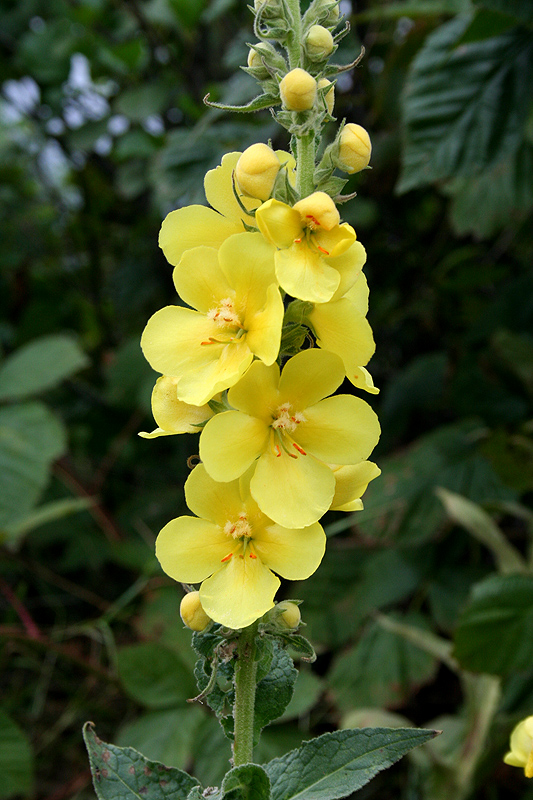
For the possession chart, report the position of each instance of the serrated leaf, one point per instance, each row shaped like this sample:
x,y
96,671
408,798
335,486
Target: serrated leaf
x,y
154,675
16,759
31,438
121,773
465,108
274,692
337,764
40,365
495,631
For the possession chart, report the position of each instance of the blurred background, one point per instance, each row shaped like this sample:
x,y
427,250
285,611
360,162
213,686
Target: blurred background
x,y
102,132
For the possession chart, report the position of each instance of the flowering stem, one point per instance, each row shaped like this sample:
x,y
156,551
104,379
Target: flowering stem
x,y
294,41
305,164
245,683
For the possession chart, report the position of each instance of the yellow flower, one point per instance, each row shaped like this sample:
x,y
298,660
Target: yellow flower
x,y
172,415
351,482
234,549
341,327
236,312
521,744
316,255
298,90
289,431
192,612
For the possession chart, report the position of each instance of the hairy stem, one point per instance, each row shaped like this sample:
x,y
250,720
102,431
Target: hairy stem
x,y
305,164
294,41
245,683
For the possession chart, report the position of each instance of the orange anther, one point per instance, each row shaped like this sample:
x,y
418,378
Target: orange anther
x,y
300,449
298,241
322,250
313,219
226,558
277,448
252,555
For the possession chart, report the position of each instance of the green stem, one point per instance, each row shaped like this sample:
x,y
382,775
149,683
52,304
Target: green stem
x,y
295,39
245,683
305,164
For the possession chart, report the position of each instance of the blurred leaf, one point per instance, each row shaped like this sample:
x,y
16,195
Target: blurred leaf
x,y
49,512
128,374
16,759
160,619
165,736
339,763
483,528
139,102
211,752
31,438
495,630
124,774
521,9
381,670
412,8
40,365
465,109
307,690
515,350
154,675
485,24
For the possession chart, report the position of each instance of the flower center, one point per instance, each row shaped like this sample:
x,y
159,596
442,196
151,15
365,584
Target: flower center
x,y
224,315
285,422
241,530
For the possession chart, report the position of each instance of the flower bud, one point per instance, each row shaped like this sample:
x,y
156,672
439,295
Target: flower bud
x,y
256,171
329,96
298,90
318,211
290,616
327,12
354,148
192,613
318,43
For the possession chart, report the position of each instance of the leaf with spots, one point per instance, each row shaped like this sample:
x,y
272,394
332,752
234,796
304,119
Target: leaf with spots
x,y
122,773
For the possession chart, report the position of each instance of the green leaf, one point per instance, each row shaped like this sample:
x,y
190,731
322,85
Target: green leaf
x,y
515,351
16,759
40,365
307,690
247,782
383,669
464,109
337,764
411,8
495,631
522,10
121,773
31,438
485,24
155,675
483,528
274,692
49,512
164,736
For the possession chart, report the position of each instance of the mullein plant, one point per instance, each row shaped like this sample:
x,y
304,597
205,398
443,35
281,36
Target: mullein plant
x,y
274,321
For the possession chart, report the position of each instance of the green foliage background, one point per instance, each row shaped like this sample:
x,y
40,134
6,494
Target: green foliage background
x,y
102,132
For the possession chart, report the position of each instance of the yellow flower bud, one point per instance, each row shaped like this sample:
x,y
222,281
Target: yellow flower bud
x,y
318,43
329,97
290,616
355,148
521,752
256,171
318,211
298,90
192,613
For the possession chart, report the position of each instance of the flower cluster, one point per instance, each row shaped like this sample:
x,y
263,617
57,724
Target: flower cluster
x,y
262,270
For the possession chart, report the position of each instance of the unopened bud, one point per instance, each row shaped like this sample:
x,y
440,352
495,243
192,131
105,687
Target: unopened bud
x,y
192,613
256,171
318,43
290,616
329,96
355,148
298,90
327,12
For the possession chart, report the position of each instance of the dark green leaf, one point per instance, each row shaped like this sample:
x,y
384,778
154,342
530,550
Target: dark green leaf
x,y
121,773
164,736
248,782
274,692
154,675
465,108
485,24
16,759
495,631
39,366
337,764
522,10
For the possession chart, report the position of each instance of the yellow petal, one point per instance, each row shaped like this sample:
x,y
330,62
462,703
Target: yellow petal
x,y
199,280
363,380
349,266
351,482
239,593
218,187
256,394
279,223
173,415
263,335
358,294
513,760
341,329
521,741
309,377
212,500
189,549
293,553
336,241
304,274
339,430
200,383
193,226
318,210
230,443
247,261
155,434
294,492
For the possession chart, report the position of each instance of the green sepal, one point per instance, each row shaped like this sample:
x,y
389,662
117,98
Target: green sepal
x,y
257,104
299,644
332,186
122,773
292,338
297,312
336,69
